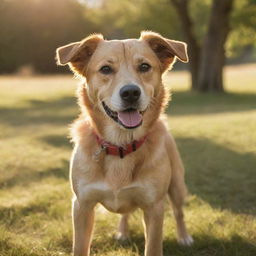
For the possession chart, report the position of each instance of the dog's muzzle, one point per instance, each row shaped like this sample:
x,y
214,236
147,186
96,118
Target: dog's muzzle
x,y
129,118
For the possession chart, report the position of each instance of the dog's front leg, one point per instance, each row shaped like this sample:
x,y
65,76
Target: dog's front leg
x,y
153,225
83,218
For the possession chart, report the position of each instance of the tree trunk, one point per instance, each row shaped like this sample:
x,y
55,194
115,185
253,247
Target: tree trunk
x,y
213,54
193,47
206,64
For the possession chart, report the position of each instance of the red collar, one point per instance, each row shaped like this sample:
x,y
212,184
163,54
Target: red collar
x,y
114,150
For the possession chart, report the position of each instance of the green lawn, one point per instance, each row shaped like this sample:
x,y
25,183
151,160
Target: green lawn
x,y
216,135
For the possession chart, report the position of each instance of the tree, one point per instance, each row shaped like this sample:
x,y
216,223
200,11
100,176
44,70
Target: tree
x,y
243,37
206,60
31,30
126,18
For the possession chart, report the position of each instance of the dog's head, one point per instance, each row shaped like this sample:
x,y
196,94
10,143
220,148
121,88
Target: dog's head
x,y
123,77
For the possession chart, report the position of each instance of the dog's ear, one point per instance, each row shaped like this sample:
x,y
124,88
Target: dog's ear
x,y
78,54
165,49
65,53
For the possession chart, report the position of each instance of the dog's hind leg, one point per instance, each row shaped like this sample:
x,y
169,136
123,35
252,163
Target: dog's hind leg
x,y
123,229
177,192
177,204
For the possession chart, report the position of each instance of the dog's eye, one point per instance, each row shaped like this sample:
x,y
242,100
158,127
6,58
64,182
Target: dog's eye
x,y
144,67
106,70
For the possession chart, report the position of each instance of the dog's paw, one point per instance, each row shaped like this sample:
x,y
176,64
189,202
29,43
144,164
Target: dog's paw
x,y
186,241
122,238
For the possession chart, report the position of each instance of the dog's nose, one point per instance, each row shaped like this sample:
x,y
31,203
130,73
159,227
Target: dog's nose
x,y
130,93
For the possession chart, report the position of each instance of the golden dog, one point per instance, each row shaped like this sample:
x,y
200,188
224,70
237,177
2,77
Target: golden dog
x,y
124,157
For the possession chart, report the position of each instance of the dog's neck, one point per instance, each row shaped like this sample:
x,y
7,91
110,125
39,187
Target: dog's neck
x,y
120,137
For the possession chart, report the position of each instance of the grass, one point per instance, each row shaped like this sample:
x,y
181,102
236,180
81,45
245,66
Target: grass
x,y
216,135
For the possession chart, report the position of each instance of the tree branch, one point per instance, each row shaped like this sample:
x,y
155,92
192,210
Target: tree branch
x,y
181,7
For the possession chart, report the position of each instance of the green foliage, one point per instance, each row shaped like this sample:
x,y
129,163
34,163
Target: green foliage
x,y
124,19
243,24
200,11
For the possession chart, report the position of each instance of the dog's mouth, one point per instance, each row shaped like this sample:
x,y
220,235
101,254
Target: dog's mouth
x,y
129,118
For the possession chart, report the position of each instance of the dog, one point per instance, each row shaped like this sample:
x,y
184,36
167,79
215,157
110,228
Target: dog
x,y
124,157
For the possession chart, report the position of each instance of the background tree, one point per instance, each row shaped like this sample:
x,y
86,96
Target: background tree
x,y
242,38
207,61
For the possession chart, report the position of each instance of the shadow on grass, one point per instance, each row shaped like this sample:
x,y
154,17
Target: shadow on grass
x,y
8,248
204,246
190,103
55,111
57,141
224,178
24,178
210,246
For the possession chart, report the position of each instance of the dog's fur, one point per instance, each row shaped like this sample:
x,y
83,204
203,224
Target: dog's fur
x,y
141,179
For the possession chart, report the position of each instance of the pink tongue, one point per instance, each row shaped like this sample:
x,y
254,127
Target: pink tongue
x,y
130,118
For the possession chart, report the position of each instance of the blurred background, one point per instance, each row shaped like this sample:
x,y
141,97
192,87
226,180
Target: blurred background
x,y
31,30
212,116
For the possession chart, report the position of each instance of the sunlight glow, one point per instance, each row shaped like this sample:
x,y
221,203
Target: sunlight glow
x,y
91,3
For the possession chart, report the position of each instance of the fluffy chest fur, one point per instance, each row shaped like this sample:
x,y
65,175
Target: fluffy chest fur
x,y
121,184
122,200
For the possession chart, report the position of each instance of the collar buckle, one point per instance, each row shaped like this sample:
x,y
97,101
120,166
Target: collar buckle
x,y
96,155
